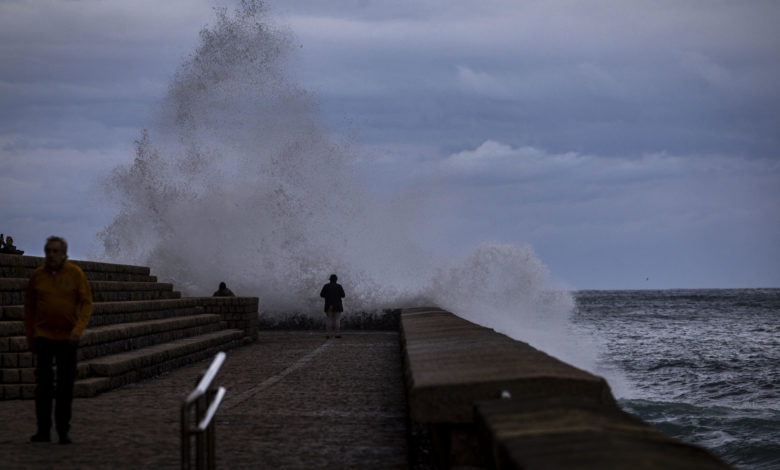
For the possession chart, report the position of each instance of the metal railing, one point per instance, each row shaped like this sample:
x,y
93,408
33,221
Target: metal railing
x,y
197,413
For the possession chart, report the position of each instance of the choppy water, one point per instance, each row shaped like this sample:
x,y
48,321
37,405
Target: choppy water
x,y
701,365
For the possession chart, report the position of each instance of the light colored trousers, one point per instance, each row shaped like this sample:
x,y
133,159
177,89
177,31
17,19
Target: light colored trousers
x,y
333,321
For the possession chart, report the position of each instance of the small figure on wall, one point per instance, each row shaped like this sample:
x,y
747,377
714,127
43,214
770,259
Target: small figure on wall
x,y
7,246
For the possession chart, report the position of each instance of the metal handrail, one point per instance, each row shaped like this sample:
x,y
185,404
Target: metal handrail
x,y
208,377
206,421
204,433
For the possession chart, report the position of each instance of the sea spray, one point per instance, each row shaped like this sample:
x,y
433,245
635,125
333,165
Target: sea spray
x,y
509,289
238,181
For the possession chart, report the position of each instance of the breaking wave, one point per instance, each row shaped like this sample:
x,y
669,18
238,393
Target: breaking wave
x,y
237,180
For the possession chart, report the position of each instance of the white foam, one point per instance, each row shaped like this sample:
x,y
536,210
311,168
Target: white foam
x,y
237,181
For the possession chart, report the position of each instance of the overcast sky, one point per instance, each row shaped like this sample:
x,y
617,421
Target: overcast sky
x,y
633,144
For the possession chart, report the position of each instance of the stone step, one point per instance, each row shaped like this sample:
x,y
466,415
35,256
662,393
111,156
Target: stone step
x,y
25,273
139,327
107,313
121,369
17,360
12,265
16,391
12,291
118,364
13,344
85,388
11,328
112,339
17,376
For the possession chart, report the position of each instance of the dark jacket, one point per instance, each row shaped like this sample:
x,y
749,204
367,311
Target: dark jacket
x,y
333,293
226,292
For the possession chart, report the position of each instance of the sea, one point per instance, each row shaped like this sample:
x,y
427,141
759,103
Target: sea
x,y
702,365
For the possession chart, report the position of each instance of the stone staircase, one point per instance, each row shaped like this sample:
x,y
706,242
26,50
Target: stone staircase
x,y
139,327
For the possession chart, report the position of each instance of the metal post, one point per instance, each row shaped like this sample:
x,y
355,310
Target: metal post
x,y
211,445
205,400
185,438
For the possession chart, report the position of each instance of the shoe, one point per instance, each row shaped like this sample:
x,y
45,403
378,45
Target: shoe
x,y
65,439
40,437
327,337
338,336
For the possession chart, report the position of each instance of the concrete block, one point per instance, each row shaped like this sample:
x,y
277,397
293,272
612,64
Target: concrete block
x,y
28,391
90,387
27,376
575,434
452,363
13,312
26,359
18,344
9,360
82,371
9,376
11,328
11,392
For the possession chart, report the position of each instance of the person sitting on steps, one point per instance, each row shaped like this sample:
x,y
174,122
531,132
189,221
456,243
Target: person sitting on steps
x,y
7,246
223,291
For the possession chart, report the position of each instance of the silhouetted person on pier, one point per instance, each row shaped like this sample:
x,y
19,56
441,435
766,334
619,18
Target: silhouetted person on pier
x,y
57,307
333,293
223,291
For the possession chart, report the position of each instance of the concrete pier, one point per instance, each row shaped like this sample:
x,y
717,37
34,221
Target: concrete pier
x,y
488,401
442,392
294,400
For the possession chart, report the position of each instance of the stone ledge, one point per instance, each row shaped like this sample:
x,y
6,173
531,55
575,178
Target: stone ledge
x,y
16,261
573,433
237,312
452,363
16,312
12,291
121,363
124,331
20,284
11,328
558,416
16,391
16,360
26,272
139,342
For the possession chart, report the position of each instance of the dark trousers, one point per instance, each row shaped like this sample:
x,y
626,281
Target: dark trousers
x,y
65,354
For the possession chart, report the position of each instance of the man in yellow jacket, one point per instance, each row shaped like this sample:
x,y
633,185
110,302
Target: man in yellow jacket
x,y
57,307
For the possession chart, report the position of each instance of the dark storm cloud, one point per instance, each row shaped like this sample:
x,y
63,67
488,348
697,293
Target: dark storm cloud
x,y
607,77
609,134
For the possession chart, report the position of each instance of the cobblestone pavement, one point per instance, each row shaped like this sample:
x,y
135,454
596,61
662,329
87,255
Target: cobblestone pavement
x,y
294,400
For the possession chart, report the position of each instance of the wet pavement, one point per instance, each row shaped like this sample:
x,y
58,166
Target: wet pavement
x,y
294,400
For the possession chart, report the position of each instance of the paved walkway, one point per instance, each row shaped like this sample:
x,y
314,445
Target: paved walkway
x,y
294,400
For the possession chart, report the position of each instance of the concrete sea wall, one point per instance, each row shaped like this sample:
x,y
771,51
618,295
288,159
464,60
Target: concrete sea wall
x,y
484,400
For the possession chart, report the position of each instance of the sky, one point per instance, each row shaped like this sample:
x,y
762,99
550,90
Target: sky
x,y
631,144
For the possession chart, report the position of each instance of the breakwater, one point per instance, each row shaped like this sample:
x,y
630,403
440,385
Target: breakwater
x,y
485,400
475,398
